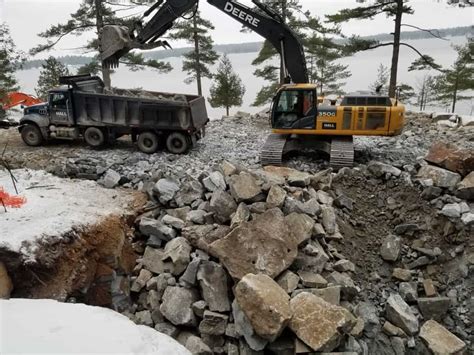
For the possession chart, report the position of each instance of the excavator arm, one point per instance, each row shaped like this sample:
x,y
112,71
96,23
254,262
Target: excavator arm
x,y
116,41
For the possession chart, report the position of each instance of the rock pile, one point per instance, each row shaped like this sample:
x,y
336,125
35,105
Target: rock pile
x,y
244,261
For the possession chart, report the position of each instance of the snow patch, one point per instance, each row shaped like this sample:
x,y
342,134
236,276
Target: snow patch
x,y
53,206
48,326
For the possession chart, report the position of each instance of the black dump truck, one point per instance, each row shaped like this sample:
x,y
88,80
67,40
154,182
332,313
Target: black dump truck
x,y
82,107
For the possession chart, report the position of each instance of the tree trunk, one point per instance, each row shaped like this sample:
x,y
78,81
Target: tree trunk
x,y
198,56
100,24
396,49
282,58
227,110
455,93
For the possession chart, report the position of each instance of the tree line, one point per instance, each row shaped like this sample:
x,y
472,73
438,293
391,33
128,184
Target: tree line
x,y
322,38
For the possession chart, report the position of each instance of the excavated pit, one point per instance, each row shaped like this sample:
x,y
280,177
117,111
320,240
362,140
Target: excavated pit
x,y
70,238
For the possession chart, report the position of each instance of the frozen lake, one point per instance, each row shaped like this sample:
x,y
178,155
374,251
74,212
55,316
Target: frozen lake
x,y
362,65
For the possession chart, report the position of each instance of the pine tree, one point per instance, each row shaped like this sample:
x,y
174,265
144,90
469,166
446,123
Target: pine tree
x,y
10,61
227,89
392,9
49,76
450,86
323,68
406,93
380,84
196,62
91,16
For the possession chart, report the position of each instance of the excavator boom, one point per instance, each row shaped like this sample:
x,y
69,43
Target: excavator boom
x,y
117,41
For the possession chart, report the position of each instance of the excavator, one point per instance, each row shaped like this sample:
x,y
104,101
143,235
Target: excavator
x,y
298,120
15,99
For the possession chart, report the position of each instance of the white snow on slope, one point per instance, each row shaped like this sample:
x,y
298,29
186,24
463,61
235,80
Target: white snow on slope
x,y
53,206
51,327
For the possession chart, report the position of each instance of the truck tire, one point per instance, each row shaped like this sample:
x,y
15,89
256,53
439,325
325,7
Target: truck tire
x,y
31,135
148,142
94,137
178,143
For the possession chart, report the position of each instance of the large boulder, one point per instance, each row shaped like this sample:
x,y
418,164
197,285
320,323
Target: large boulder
x,y
244,187
466,187
265,303
318,323
177,305
440,177
440,340
263,245
215,181
165,189
450,157
213,282
399,313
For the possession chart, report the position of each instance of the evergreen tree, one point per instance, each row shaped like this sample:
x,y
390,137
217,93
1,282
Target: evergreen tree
x,y
450,86
196,62
380,84
323,69
10,61
406,93
424,91
227,89
49,76
92,15
392,9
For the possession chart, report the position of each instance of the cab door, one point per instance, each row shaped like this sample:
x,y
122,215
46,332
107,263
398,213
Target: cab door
x,y
60,108
294,109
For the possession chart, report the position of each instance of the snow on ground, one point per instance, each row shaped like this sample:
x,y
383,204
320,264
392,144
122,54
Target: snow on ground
x,y
51,327
53,206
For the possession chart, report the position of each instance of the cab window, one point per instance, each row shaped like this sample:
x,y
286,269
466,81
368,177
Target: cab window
x,y
292,106
58,100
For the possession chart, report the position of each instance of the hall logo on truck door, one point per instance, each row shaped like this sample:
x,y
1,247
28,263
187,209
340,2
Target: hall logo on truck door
x,y
329,125
231,9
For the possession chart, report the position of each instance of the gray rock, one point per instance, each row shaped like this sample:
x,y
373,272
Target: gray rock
x,y
178,251
331,294
400,314
288,281
177,305
199,307
299,179
152,227
215,181
406,228
379,169
311,207
241,215
197,347
434,307
310,279
313,257
390,248
213,323
441,177
180,213
244,328
276,197
452,210
141,280
324,198
153,261
368,312
189,276
144,318
300,226
348,288
196,216
408,291
190,191
329,219
258,207
165,190
213,281
167,328
440,340
153,300
223,205
244,187
468,219
173,222
111,179
343,201
344,266
465,189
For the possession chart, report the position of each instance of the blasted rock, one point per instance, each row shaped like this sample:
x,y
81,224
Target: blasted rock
x,y
318,323
215,181
152,227
288,281
213,281
434,307
244,187
450,157
153,261
177,305
390,248
165,189
466,187
441,177
400,314
223,205
197,347
259,246
300,226
245,329
379,169
276,197
265,303
213,323
440,340
188,193
177,251
329,219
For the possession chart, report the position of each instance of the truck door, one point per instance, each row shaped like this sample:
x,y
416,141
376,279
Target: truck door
x,y
60,108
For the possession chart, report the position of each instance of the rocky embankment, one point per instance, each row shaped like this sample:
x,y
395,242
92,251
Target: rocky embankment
x,y
235,259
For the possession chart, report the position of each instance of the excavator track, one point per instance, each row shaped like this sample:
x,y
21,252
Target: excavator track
x,y
342,152
273,149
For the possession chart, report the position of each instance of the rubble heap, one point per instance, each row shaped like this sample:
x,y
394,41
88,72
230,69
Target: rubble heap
x,y
242,261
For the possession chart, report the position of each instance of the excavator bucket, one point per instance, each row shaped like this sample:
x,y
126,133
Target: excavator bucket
x,y
114,42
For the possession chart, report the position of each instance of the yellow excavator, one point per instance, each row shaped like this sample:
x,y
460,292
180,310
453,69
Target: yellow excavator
x,y
298,120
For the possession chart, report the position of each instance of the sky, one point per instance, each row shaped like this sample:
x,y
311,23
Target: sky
x,y
27,18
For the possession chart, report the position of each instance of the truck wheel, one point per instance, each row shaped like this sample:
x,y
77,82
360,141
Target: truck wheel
x,y
94,137
31,135
148,142
178,143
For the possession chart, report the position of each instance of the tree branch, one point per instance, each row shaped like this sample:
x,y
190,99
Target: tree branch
x,y
431,32
46,47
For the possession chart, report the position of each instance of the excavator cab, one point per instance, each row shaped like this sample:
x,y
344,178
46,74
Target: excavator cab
x,y
295,107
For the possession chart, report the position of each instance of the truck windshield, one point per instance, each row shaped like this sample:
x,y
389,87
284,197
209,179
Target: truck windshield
x,y
58,100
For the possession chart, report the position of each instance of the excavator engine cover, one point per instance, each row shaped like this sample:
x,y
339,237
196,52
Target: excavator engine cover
x,y
114,42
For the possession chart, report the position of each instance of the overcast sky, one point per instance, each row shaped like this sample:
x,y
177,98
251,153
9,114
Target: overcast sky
x,y
27,18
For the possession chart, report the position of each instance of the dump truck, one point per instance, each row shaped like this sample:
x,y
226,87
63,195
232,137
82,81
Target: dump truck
x,y
82,108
